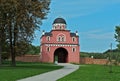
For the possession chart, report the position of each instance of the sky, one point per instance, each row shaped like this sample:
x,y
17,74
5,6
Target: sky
x,y
95,21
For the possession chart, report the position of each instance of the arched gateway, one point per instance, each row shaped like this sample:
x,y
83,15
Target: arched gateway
x,y
61,55
60,44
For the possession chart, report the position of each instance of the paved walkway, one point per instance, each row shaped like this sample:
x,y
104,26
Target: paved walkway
x,y
54,75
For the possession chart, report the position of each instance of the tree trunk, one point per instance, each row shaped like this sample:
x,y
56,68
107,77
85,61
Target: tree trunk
x,y
14,44
0,47
13,63
0,53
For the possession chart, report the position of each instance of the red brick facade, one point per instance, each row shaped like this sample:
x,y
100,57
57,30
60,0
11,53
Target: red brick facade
x,y
60,44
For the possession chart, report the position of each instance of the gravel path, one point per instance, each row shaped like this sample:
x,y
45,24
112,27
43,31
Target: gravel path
x,y
54,75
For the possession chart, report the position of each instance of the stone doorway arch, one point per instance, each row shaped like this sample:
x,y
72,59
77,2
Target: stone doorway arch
x,y
61,55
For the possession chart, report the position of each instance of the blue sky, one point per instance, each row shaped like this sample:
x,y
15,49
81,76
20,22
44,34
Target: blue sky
x,y
95,21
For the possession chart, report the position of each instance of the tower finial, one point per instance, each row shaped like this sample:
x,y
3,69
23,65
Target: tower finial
x,y
77,33
43,32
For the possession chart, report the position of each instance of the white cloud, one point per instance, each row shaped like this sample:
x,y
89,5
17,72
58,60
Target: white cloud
x,y
107,35
97,34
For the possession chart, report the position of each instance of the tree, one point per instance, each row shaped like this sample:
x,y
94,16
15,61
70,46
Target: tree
x,y
0,50
117,36
21,18
2,35
32,49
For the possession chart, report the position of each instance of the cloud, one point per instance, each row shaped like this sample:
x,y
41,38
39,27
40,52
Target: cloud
x,y
97,34
108,35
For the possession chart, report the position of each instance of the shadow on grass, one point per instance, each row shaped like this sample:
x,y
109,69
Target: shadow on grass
x,y
115,72
31,66
38,66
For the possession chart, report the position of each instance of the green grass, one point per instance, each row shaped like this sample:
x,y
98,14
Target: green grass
x,y
93,73
22,70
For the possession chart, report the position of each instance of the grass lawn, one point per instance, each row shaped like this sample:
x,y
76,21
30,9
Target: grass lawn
x,y
93,73
22,70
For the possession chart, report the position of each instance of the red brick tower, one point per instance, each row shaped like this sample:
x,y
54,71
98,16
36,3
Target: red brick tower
x,y
60,44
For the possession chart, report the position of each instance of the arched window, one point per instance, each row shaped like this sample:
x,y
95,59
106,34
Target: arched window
x,y
73,49
73,39
60,27
55,27
63,26
48,49
48,38
59,39
63,39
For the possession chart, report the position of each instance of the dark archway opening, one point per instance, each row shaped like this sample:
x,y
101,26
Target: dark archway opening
x,y
61,55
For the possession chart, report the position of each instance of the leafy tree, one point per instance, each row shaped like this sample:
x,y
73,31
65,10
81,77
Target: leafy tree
x,y
113,55
2,36
33,49
21,18
84,54
117,36
37,51
95,55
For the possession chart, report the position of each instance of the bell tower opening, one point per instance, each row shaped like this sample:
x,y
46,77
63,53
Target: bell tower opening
x,y
61,55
